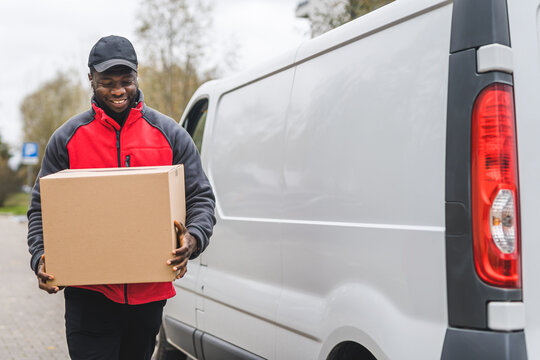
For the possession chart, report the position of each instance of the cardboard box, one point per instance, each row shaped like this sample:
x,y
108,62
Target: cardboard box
x,y
111,226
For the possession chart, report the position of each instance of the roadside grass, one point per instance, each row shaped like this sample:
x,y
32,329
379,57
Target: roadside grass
x,y
16,204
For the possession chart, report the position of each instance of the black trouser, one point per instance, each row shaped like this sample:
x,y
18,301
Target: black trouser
x,y
98,328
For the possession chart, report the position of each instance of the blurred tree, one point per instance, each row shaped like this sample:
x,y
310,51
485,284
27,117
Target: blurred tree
x,y
9,181
173,33
54,102
331,14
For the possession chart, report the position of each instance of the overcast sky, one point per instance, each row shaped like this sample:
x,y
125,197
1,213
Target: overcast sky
x,y
39,38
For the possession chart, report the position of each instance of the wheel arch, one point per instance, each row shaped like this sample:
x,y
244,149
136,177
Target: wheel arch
x,y
351,339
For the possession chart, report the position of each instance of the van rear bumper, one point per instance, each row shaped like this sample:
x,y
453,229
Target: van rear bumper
x,y
466,344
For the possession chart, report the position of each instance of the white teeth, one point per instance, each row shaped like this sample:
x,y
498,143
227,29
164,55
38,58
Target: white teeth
x,y
118,101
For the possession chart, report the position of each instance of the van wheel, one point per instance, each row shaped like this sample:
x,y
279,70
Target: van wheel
x,y
349,350
164,350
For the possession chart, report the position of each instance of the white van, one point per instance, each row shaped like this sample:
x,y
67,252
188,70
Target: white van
x,y
370,203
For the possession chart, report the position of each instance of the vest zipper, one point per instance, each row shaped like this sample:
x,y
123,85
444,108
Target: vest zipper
x,y
118,147
128,161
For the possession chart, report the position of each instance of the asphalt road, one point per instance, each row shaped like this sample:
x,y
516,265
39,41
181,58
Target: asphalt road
x,y
31,321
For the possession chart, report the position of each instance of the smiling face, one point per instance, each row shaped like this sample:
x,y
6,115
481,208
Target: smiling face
x,y
115,88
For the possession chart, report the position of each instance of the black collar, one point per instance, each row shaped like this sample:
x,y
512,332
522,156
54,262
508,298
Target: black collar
x,y
120,118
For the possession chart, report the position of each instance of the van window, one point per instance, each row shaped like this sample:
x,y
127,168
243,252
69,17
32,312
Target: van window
x,y
195,121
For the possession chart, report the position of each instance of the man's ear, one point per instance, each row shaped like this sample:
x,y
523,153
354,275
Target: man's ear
x,y
91,79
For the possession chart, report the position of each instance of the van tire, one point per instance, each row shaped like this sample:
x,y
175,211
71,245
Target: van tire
x,y
164,350
349,350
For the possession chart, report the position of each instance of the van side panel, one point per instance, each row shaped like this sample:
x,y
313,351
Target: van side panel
x,y
242,282
247,147
363,240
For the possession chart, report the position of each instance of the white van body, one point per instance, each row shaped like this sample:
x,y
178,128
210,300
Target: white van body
x,y
330,166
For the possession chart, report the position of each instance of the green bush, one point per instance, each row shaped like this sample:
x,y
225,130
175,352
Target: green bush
x,y
15,204
9,181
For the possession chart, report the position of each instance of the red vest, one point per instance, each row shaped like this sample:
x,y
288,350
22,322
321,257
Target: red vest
x,y
102,143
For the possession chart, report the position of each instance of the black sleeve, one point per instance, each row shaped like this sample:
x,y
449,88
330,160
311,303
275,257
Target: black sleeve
x,y
54,160
200,201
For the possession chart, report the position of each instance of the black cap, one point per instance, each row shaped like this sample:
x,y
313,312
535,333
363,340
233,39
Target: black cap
x,y
111,51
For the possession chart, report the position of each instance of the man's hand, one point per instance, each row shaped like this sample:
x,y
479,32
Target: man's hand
x,y
188,245
43,277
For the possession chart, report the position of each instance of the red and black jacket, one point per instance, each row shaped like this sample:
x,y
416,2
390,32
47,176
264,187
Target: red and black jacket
x,y
148,138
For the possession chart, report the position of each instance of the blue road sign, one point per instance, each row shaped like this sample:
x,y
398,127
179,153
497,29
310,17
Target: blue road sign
x,y
30,153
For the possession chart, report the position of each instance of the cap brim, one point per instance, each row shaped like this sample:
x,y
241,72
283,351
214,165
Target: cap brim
x,y
101,67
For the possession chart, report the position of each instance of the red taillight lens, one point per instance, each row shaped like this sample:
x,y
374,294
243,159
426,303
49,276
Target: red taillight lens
x,y
495,195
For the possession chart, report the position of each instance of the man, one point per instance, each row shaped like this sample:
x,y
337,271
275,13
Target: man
x,y
120,321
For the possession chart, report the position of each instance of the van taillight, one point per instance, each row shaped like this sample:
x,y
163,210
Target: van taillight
x,y
495,195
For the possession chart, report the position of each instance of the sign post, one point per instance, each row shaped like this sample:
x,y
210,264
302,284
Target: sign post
x,y
30,152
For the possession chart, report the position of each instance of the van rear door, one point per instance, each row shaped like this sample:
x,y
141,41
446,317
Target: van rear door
x,y
524,28
486,287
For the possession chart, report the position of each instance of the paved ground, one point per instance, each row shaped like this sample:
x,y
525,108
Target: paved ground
x,y
31,321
